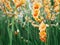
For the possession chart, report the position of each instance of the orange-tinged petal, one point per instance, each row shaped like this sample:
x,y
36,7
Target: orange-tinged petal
x,y
20,3
43,39
36,5
36,13
43,36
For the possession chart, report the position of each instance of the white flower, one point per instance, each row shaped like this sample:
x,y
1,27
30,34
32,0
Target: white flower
x,y
17,30
47,25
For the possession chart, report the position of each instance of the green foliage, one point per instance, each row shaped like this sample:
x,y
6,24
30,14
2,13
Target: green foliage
x,y
21,32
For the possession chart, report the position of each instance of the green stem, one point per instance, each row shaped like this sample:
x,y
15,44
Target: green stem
x,y
28,33
12,30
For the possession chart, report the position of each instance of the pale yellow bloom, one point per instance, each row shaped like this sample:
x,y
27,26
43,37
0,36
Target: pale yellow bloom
x,y
16,2
57,1
42,26
47,10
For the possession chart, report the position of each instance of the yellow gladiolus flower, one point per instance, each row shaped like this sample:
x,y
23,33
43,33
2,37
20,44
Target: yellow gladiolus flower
x,y
42,32
36,13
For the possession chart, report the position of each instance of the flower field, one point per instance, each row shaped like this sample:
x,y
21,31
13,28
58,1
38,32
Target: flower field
x,y
29,22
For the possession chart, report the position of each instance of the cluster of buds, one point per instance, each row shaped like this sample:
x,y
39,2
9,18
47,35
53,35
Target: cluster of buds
x,y
42,33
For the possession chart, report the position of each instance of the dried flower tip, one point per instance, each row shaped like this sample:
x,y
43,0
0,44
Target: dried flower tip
x,y
16,32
